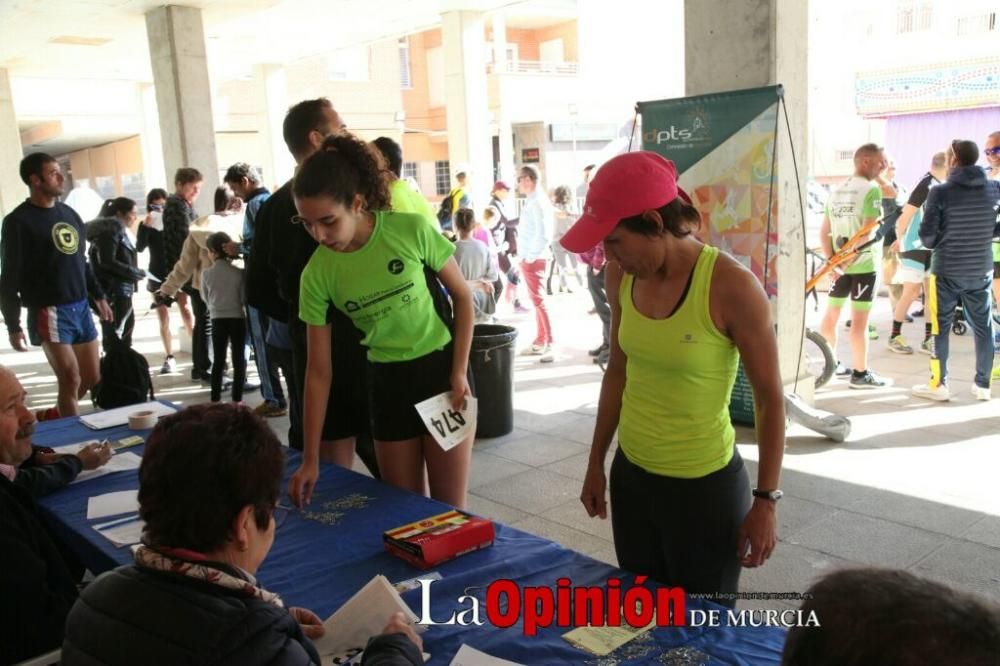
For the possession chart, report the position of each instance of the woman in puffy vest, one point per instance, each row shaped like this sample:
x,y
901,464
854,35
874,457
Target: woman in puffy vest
x,y
114,259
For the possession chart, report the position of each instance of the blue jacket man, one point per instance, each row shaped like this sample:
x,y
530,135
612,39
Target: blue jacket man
x,y
959,223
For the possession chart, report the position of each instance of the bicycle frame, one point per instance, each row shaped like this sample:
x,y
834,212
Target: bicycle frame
x,y
847,253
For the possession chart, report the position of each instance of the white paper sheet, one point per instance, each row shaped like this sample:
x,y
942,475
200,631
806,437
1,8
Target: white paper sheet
x,y
112,504
470,656
119,416
445,425
122,532
363,616
120,462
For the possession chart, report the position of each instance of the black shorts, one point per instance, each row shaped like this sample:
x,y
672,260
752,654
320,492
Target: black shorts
x,y
347,405
859,287
394,389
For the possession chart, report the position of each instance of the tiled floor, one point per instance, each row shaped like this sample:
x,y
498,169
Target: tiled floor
x,y
914,486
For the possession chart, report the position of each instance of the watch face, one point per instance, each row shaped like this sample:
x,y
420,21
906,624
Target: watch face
x,y
776,494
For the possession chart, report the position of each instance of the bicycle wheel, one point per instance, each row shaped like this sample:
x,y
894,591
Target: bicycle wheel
x,y
820,362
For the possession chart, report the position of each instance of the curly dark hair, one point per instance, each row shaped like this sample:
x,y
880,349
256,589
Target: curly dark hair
x,y
343,167
200,468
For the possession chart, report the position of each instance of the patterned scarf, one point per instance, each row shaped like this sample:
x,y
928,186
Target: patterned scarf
x,y
188,563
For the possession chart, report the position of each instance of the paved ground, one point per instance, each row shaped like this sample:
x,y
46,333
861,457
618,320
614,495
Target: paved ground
x,y
914,487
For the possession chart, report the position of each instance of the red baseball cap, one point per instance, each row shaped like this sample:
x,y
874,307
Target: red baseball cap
x,y
625,186
500,185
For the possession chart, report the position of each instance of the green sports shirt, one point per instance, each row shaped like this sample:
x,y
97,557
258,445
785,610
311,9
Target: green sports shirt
x,y
381,287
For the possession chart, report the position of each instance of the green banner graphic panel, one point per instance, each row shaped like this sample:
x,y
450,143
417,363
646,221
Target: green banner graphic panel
x,y
686,129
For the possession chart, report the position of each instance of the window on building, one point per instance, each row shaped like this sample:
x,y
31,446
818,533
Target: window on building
x,y
442,177
913,16
405,81
410,171
972,25
134,187
349,64
105,186
845,154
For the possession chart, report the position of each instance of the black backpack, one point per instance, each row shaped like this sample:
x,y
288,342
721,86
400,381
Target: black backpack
x,y
124,379
445,212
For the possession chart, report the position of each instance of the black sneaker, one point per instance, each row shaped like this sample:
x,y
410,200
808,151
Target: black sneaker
x,y
842,370
596,351
869,380
918,313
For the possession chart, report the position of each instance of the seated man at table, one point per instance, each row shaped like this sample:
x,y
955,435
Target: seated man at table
x,y
208,493
46,471
37,581
884,616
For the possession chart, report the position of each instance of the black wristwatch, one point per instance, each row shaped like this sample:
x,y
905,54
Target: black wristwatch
x,y
773,495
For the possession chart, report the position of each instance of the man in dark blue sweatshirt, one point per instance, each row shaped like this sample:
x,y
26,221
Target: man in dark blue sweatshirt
x,y
44,268
960,221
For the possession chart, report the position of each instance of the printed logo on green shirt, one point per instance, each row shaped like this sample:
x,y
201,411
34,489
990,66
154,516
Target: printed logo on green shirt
x,y
395,266
688,339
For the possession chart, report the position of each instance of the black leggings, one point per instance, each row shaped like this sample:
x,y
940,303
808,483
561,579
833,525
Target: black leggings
x,y
681,532
231,332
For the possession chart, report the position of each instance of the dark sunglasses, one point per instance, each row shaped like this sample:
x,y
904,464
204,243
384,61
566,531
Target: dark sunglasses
x,y
992,151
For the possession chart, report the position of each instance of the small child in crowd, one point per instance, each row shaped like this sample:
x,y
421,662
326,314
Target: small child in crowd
x,y
477,265
222,287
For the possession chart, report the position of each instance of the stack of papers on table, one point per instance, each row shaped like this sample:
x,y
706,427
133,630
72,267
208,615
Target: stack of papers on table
x,y
112,504
120,462
123,531
116,417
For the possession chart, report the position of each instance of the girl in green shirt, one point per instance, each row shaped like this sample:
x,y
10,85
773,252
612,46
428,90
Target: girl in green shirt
x,y
370,265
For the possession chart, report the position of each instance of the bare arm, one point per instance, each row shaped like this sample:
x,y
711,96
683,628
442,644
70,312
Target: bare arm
x,y
609,406
319,374
824,237
746,318
453,280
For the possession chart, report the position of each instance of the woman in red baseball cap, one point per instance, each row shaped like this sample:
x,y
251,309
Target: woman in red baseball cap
x,y
683,316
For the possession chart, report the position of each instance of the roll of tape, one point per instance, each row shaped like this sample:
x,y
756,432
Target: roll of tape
x,y
143,420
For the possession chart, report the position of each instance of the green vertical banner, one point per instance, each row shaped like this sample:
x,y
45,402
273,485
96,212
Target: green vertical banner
x,y
723,145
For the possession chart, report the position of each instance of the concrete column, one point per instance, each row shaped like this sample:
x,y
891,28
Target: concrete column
x,y
271,84
467,100
771,38
183,94
12,190
153,170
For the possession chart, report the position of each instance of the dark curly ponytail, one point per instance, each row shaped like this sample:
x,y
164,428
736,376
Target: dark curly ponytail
x,y
343,167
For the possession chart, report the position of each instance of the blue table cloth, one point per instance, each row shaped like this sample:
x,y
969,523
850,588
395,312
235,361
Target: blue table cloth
x,y
323,554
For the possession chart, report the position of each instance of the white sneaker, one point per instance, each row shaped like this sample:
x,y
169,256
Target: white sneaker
x,y
980,393
547,356
169,366
537,350
939,392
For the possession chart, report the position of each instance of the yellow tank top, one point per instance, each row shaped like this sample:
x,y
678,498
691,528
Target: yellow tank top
x,y
679,376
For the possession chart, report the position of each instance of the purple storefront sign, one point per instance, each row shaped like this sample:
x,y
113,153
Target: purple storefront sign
x,y
913,139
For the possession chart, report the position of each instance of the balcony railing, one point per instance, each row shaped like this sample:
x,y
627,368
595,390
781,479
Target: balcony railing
x,y
535,67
